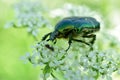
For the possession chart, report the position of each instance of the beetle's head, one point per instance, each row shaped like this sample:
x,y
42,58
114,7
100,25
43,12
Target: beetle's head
x,y
53,35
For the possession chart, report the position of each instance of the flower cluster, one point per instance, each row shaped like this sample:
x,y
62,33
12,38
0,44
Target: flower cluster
x,y
99,64
30,17
43,56
77,64
74,10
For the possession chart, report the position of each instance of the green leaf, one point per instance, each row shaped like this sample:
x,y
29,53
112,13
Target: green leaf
x,y
59,75
47,69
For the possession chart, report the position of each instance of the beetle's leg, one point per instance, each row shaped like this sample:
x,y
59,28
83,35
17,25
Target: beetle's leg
x,y
69,42
93,36
81,41
44,37
91,48
47,45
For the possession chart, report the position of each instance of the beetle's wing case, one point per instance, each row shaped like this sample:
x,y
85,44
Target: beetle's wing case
x,y
86,22
85,19
77,23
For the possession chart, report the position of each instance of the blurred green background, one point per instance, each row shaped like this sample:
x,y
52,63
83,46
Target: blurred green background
x,y
14,43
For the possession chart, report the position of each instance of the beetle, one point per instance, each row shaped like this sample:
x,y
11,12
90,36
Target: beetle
x,y
72,27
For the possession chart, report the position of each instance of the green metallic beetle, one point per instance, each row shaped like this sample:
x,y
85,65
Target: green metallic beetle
x,y
72,27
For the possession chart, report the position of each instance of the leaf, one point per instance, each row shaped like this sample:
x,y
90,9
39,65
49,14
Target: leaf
x,y
59,75
47,69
